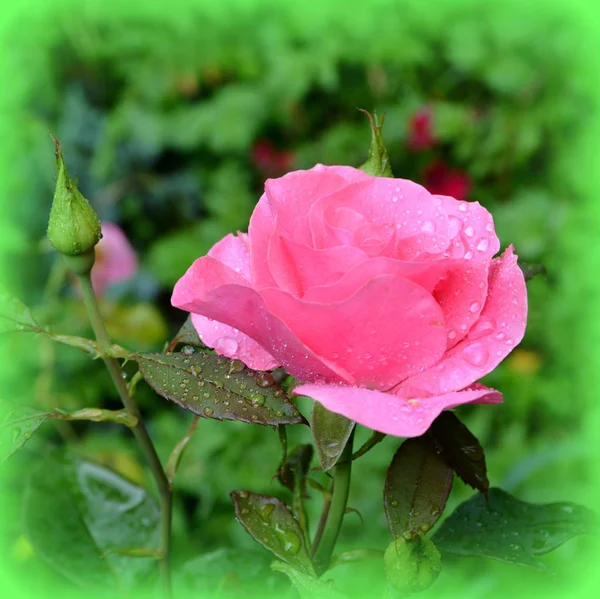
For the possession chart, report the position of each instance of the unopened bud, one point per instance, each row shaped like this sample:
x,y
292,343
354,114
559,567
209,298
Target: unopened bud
x,y
74,227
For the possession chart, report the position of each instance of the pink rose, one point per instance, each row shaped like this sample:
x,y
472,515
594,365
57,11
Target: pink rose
x,y
116,259
384,300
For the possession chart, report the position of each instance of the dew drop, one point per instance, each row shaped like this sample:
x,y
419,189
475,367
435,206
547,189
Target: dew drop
x,y
469,231
482,244
235,366
208,412
455,226
475,307
452,335
226,346
484,326
265,380
244,494
394,503
462,206
475,354
291,542
395,199
489,227
468,255
196,370
428,226
187,350
500,336
257,399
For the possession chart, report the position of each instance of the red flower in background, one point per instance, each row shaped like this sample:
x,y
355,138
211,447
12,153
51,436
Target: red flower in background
x,y
420,132
440,179
269,160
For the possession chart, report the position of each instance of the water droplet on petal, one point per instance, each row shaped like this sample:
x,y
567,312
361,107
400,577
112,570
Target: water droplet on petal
x,y
469,231
462,206
500,336
468,255
226,346
482,244
475,307
452,335
428,226
489,227
454,226
484,326
475,354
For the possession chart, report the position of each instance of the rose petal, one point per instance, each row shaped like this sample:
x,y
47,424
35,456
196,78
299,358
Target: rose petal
x,y
231,343
214,290
233,252
387,413
471,230
297,267
260,230
462,294
293,195
499,329
389,329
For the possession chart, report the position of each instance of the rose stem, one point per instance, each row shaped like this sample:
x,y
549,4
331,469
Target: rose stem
x,y
333,510
139,431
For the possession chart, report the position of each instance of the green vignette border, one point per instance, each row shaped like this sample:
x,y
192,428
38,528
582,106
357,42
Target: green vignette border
x,y
579,242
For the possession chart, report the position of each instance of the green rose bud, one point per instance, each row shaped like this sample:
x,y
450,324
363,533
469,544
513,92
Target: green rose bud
x,y
378,162
411,565
74,227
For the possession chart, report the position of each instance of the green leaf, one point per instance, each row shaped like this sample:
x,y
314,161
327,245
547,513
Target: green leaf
x,y
226,573
510,530
75,512
308,586
15,315
417,486
270,522
330,432
187,335
460,449
215,387
16,427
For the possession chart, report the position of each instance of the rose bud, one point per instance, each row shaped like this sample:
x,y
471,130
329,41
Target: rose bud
x,y
73,228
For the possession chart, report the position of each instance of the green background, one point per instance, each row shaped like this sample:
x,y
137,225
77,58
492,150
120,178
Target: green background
x,y
23,49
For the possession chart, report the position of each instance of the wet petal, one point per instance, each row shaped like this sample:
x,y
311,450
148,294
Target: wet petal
x,y
389,329
297,267
213,290
471,230
498,330
388,413
461,294
233,251
231,343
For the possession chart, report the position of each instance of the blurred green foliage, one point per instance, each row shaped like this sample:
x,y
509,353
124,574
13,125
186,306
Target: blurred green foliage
x,y
172,120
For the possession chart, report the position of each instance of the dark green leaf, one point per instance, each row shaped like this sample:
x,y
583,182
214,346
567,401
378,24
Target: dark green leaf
x,y
296,467
187,335
214,387
510,530
270,522
16,427
461,450
75,512
330,432
417,486
226,573
307,585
